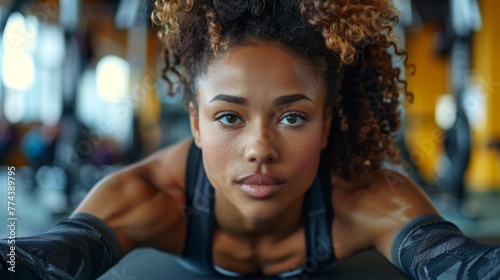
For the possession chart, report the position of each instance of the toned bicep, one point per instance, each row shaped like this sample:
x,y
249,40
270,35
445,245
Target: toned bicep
x,y
370,214
406,200
143,202
136,212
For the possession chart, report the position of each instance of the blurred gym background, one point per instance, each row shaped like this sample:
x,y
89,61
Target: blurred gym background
x,y
81,96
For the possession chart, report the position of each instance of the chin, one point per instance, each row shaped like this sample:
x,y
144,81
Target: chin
x,y
261,213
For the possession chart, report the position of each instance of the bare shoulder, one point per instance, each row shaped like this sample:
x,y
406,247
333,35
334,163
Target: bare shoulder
x,y
134,200
374,210
166,168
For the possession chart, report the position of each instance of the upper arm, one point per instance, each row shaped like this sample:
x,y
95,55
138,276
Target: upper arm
x,y
142,202
405,201
370,215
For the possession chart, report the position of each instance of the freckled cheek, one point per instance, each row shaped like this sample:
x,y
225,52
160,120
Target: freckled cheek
x,y
305,157
217,156
216,163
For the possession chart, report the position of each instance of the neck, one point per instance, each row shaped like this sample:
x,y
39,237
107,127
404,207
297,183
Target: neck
x,y
231,220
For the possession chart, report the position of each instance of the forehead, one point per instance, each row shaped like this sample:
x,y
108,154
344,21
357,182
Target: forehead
x,y
260,67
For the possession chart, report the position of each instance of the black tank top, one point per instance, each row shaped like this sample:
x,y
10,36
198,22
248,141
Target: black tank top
x,y
317,218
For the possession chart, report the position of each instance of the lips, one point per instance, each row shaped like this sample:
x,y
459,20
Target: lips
x,y
260,185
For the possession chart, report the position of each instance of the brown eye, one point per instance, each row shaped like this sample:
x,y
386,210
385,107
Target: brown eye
x,y
231,119
294,119
291,119
228,119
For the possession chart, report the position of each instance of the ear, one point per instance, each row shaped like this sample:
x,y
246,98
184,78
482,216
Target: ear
x,y
195,124
325,130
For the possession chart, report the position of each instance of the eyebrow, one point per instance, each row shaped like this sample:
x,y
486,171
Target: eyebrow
x,y
287,99
280,101
229,98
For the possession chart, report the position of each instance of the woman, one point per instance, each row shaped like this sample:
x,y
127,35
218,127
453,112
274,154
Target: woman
x,y
293,107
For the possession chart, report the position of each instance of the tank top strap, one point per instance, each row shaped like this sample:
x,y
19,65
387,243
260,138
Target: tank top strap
x,y
199,217
318,219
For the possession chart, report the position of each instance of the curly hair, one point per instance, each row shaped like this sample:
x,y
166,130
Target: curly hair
x,y
346,40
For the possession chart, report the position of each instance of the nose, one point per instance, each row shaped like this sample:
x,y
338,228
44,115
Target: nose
x,y
261,146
